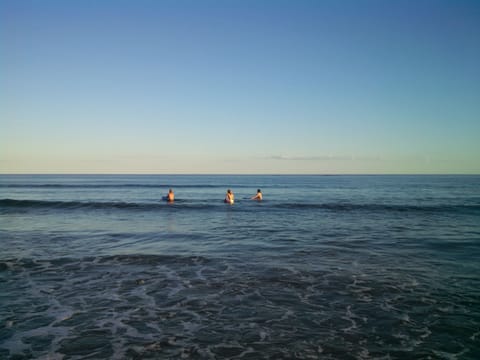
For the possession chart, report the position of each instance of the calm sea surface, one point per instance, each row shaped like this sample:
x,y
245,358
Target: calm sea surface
x,y
330,267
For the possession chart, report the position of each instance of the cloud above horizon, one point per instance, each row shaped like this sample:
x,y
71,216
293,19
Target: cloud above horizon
x,y
324,158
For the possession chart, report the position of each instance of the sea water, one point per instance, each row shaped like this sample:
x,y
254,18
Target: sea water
x,y
330,267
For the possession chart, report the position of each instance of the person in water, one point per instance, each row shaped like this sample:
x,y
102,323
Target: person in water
x,y
170,196
229,197
259,195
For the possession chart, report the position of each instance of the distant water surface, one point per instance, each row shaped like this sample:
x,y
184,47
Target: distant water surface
x,y
331,267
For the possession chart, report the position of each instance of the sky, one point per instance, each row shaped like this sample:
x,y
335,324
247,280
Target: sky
x,y
240,87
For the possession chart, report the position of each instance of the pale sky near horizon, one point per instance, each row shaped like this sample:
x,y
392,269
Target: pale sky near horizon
x,y
245,86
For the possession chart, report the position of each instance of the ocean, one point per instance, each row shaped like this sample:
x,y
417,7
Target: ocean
x,y
325,267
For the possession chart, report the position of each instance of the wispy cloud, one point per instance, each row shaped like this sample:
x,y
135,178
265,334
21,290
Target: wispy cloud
x,y
324,158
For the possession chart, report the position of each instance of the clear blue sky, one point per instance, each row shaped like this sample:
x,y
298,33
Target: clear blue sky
x,y
240,86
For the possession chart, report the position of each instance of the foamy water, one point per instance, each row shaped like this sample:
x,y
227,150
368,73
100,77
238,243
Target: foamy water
x,y
326,267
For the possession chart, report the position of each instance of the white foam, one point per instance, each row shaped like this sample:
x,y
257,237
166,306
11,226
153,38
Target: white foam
x,y
53,356
450,356
364,354
247,351
404,317
349,317
426,334
199,274
190,327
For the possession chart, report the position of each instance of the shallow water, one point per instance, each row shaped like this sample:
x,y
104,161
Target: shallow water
x,y
327,267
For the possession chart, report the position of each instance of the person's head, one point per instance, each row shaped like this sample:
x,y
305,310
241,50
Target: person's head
x,y
229,191
259,191
170,191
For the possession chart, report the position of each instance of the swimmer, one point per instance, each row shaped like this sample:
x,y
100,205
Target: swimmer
x,y
259,195
229,197
170,196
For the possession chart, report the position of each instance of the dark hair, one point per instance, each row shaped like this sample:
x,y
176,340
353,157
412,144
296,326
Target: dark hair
x,y
258,190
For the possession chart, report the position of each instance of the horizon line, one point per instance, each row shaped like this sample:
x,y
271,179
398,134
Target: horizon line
x,y
244,174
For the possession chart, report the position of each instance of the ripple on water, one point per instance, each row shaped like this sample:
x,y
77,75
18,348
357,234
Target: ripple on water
x,y
165,306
